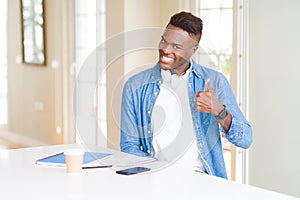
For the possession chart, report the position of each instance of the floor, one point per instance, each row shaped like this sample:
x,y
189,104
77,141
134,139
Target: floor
x,y
6,144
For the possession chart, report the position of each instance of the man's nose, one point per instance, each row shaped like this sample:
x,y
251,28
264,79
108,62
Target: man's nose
x,y
167,48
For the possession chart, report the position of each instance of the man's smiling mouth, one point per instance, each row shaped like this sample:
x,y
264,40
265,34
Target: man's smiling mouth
x,y
166,59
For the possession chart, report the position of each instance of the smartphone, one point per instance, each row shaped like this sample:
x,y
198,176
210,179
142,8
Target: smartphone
x,y
134,170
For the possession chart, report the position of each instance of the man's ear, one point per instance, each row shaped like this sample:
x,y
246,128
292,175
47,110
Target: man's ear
x,y
195,48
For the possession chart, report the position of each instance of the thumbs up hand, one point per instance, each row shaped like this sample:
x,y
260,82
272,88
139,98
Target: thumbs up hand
x,y
207,101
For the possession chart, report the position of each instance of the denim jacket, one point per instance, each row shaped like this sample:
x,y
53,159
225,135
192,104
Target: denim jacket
x,y
138,99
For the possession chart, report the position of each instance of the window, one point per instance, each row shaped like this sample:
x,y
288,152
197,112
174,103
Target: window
x,y
217,39
220,46
90,33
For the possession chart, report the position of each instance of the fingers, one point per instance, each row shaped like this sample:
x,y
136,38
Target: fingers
x,y
203,109
204,99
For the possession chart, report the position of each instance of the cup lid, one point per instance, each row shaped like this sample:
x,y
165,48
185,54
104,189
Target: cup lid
x,y
74,151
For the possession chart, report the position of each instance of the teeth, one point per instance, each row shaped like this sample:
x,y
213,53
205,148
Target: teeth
x,y
167,59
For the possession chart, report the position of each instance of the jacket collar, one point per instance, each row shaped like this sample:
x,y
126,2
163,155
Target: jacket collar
x,y
197,69
155,74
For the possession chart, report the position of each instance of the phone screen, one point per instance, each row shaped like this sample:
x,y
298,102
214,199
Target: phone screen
x,y
134,170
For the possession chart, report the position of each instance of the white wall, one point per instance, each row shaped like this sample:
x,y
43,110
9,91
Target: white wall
x,y
274,64
146,15
152,15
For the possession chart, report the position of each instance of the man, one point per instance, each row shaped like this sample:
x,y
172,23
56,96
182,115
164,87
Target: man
x,y
176,110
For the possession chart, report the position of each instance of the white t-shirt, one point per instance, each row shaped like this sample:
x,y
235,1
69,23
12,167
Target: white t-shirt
x,y
171,116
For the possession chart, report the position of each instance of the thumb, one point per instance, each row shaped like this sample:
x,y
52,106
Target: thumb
x,y
208,88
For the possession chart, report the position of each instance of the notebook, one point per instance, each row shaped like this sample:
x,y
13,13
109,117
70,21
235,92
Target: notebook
x,y
89,159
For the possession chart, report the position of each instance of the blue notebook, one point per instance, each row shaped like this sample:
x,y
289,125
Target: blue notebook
x,y
59,159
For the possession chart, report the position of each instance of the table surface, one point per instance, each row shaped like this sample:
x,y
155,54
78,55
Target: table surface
x,y
21,178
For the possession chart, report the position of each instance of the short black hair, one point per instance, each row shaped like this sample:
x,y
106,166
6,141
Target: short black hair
x,y
188,22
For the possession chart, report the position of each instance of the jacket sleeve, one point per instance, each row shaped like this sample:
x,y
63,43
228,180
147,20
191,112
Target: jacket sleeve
x,y
240,132
130,141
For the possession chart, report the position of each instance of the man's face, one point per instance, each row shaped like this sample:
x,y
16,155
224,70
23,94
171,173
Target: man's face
x,y
175,48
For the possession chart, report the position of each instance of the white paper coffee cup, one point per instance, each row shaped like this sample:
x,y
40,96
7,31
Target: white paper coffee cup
x,y
74,159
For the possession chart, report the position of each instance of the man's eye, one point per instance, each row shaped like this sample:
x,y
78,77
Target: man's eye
x,y
175,46
163,41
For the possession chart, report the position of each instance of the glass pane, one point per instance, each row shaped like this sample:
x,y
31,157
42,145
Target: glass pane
x,y
217,31
90,33
216,40
32,31
213,4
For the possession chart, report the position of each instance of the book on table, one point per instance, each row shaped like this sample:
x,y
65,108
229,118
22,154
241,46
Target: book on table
x,y
90,159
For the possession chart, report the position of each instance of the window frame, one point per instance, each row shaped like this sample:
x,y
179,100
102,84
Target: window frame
x,y
239,78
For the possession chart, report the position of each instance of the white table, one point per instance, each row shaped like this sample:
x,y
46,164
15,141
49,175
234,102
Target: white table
x,y
20,178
